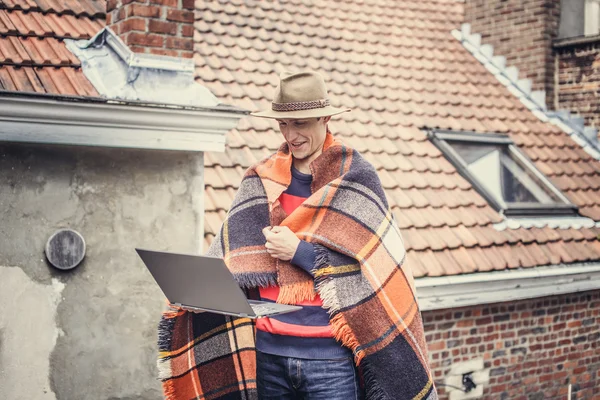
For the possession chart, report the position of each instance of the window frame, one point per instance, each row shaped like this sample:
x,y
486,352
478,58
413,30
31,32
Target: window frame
x,y
591,18
440,139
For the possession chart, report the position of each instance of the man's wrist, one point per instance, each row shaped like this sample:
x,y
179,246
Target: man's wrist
x,y
304,257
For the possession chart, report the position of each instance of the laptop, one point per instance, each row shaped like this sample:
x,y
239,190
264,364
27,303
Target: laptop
x,y
205,284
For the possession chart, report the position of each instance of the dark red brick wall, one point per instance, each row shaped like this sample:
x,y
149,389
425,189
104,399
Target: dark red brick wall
x,y
164,27
579,81
522,31
533,347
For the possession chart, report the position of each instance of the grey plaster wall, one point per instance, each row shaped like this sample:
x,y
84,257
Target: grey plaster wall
x,y
89,333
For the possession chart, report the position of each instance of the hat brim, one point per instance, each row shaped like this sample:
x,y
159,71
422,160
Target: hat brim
x,y
301,114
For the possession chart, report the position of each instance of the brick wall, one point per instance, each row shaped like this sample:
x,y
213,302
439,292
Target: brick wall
x,y
579,81
533,347
522,31
164,27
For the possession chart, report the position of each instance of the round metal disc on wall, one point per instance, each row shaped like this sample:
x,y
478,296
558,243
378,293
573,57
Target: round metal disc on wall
x,y
65,249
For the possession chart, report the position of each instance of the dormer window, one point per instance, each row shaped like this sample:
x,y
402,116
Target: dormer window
x,y
503,175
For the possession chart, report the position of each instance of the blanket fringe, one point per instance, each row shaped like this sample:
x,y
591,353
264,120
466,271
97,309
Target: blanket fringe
x,y
328,292
344,334
297,293
164,369
253,280
169,390
373,390
165,332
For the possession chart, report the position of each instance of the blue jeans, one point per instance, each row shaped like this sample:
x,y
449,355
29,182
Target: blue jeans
x,y
284,378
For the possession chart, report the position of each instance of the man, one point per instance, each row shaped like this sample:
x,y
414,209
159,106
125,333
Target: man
x,y
310,225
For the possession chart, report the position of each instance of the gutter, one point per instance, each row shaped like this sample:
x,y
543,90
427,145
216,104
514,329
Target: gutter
x,y
436,293
33,119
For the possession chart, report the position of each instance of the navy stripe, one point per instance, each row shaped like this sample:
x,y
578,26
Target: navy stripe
x,y
308,316
300,347
313,316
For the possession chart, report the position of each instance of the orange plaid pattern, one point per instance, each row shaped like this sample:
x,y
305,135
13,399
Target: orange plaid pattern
x,y
359,275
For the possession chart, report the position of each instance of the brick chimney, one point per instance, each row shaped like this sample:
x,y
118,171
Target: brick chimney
x,y
522,31
555,43
163,27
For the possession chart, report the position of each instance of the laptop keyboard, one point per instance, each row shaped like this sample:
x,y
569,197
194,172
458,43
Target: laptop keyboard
x,y
262,309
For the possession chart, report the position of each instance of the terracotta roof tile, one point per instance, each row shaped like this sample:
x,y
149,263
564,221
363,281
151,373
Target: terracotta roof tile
x,y
22,23
402,73
454,261
63,81
87,8
33,57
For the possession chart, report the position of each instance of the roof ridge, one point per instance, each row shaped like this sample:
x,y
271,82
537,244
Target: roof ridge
x,y
97,6
521,88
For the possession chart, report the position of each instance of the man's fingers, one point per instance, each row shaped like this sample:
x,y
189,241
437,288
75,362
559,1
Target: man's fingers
x,y
267,230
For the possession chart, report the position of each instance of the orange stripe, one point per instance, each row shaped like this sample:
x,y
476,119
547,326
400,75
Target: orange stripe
x,y
272,293
281,328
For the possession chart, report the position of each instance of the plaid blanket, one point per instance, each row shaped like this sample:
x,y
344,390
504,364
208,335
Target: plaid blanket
x,y
360,275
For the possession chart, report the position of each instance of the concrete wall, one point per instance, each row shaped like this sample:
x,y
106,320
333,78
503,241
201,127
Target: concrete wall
x,y
89,333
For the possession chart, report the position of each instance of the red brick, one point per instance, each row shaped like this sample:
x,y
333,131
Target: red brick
x,y
156,26
187,30
111,5
138,49
118,15
168,3
132,24
188,4
142,39
180,16
437,346
579,64
186,54
146,11
574,324
518,355
178,43
165,52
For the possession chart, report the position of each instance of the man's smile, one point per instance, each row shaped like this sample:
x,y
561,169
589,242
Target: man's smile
x,y
297,145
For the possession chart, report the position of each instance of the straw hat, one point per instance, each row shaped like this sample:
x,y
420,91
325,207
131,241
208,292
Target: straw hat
x,y
300,95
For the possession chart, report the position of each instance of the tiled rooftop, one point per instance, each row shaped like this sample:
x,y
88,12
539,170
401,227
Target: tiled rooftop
x,y
400,69
33,56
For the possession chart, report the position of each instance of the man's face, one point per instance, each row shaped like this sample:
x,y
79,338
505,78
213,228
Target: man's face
x,y
305,137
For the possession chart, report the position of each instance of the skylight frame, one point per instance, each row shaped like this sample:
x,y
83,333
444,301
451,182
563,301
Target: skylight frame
x,y
440,139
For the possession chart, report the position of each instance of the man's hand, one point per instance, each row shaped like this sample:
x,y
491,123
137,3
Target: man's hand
x,y
281,242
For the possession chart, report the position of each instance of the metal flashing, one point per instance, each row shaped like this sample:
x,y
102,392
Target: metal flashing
x,y
436,293
118,73
521,88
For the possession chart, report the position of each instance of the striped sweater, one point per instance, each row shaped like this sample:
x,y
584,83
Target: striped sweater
x,y
305,333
